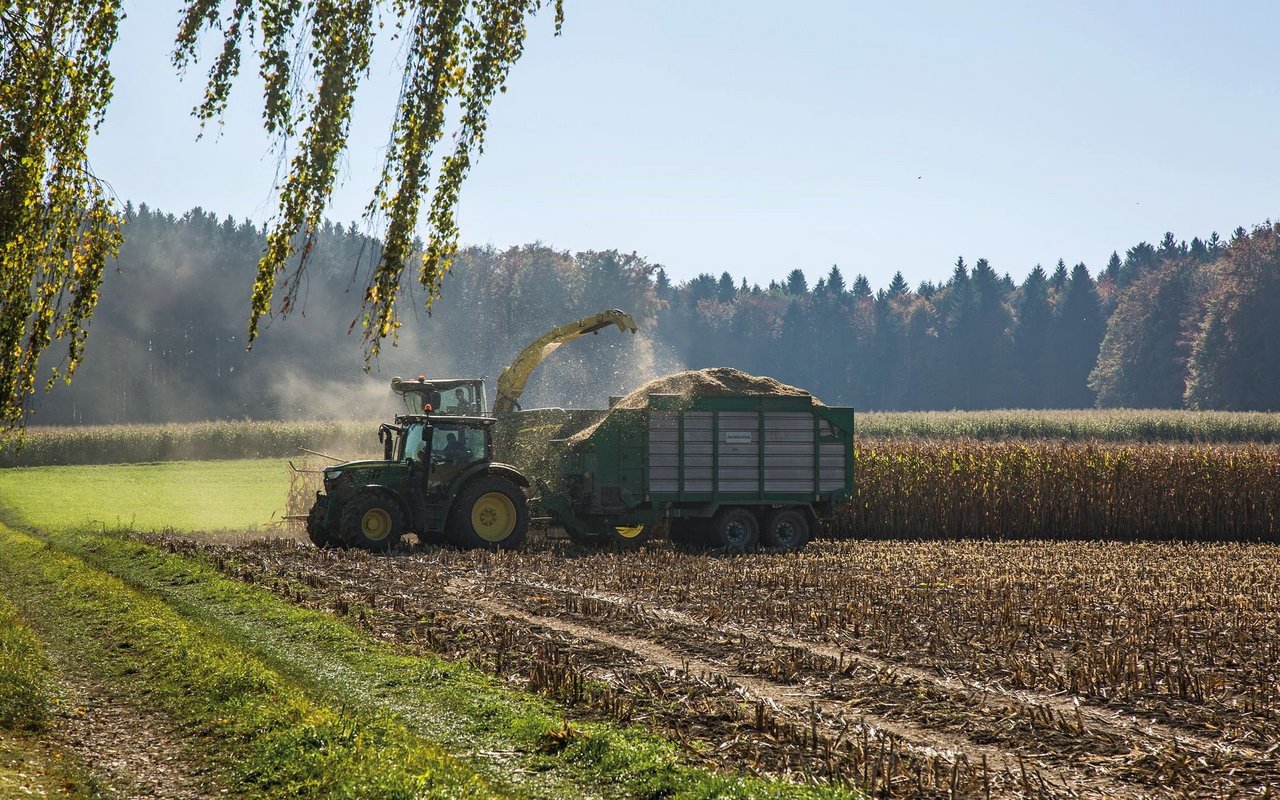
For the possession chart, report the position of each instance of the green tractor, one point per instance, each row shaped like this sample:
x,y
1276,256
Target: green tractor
x,y
437,479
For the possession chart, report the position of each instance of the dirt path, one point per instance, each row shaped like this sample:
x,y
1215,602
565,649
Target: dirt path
x,y
140,754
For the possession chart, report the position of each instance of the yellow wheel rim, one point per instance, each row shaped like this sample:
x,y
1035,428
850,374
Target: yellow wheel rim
x,y
375,524
629,532
493,517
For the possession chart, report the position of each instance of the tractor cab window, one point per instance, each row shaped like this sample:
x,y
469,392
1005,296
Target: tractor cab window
x,y
414,445
453,445
460,401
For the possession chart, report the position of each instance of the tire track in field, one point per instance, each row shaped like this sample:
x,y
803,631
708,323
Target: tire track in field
x,y
802,703
1070,706
142,754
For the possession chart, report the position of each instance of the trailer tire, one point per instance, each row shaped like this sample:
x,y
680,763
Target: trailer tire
x,y
490,513
735,530
373,521
785,529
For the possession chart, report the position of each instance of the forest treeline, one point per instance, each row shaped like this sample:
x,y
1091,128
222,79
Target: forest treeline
x,y
1171,325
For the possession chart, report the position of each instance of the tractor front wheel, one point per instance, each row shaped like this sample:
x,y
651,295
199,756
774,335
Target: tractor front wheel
x,y
373,520
490,513
317,531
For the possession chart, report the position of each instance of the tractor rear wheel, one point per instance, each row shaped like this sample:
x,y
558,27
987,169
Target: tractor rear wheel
x,y
735,530
373,521
786,529
489,513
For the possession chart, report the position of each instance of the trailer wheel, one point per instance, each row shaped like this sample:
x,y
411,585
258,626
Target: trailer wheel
x,y
735,530
373,521
785,529
317,531
490,513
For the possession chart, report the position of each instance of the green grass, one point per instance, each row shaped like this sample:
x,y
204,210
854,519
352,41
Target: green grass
x,y
294,703
26,691
182,495
275,741
30,767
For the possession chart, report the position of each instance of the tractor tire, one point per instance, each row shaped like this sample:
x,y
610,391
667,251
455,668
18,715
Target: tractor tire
x,y
372,521
490,513
734,530
785,529
317,531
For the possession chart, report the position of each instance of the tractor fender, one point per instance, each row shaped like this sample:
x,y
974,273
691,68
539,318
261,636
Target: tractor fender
x,y
508,471
490,468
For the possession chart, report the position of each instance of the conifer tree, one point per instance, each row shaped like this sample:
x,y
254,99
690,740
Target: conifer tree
x,y
1078,334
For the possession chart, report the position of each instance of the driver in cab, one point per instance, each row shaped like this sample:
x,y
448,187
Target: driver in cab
x,y
454,450
463,405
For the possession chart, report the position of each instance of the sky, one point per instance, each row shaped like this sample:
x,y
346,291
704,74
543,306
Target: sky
x,y
759,137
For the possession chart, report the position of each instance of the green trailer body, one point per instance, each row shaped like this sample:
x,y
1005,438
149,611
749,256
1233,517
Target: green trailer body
x,y
692,462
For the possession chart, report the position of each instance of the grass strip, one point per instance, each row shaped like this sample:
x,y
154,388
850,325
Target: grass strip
x,y
272,739
523,745
1110,425
26,688
29,767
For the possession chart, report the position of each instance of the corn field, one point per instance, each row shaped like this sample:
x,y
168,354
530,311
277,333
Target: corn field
x,y
1110,425
202,441
1053,489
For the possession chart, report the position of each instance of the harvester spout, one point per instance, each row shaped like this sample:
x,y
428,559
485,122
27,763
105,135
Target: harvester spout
x,y
512,381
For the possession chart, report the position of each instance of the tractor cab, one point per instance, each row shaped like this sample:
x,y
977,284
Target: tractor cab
x,y
459,397
444,446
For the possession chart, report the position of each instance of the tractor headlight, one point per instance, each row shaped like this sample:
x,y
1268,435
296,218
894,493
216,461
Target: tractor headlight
x,y
332,474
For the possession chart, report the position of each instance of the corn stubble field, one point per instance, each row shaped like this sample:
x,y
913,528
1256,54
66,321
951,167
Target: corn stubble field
x,y
921,669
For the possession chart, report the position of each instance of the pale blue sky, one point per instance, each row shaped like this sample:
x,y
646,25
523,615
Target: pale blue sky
x,y
711,136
